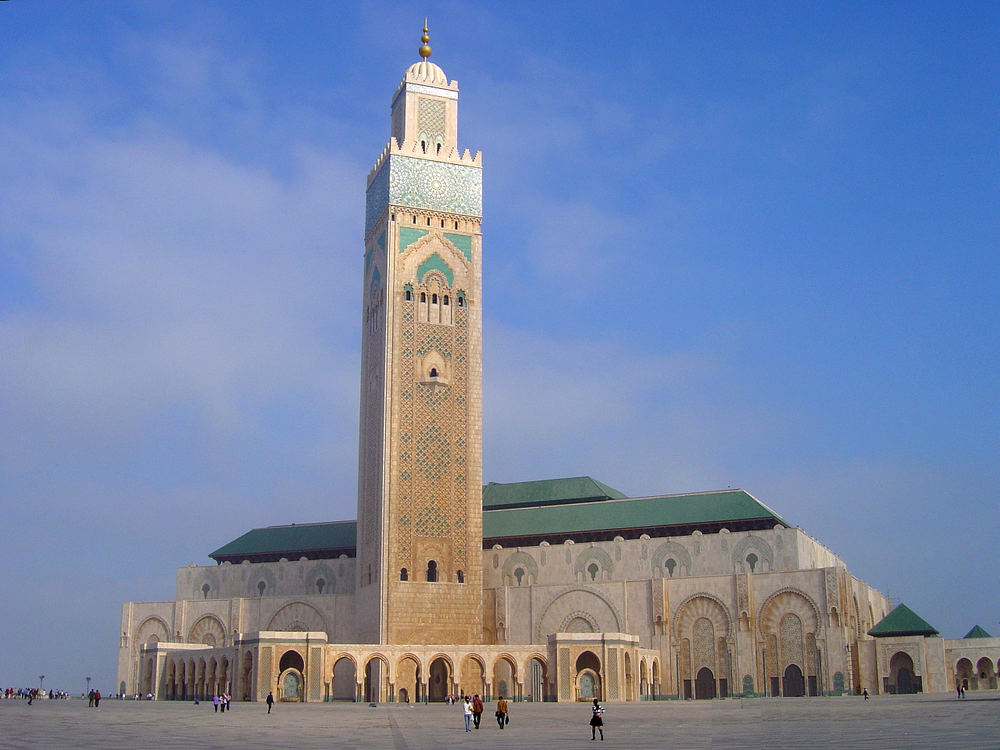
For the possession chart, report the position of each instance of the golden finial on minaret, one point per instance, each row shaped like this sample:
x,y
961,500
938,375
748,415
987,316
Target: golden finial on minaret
x,y
425,48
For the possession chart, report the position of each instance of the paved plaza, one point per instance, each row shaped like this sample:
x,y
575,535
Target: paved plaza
x,y
845,723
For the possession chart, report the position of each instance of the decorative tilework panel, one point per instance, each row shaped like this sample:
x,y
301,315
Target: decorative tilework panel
x,y
612,672
430,119
433,185
377,196
409,235
462,241
435,263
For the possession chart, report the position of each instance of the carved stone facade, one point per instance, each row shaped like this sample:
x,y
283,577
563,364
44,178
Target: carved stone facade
x,y
414,605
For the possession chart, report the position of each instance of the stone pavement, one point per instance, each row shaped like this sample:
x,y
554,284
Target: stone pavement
x,y
930,722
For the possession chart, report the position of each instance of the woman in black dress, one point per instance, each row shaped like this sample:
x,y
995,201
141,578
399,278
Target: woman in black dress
x,y
596,722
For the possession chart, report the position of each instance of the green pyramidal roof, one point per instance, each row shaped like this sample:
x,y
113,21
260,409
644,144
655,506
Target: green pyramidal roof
x,y
902,621
524,513
682,514
547,492
977,632
293,541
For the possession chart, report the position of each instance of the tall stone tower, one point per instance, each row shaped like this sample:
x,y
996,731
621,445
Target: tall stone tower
x,y
420,458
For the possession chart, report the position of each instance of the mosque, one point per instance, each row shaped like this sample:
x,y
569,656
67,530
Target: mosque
x,y
554,590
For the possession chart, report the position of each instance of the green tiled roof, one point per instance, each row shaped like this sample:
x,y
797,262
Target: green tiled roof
x,y
546,492
646,512
902,621
556,509
977,632
274,542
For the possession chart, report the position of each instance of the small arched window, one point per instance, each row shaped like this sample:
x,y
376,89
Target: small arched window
x,y
434,299
439,151
403,575
434,372
461,301
670,564
445,299
423,296
752,561
260,587
456,225
593,570
423,146
432,571
205,589
414,219
461,577
408,295
320,585
519,575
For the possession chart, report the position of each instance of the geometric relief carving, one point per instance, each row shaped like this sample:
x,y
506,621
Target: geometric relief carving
x,y
753,554
520,569
593,564
209,631
702,606
791,640
789,601
670,559
298,617
581,605
152,630
703,641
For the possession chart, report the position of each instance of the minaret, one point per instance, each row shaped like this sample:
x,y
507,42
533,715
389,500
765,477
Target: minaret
x,y
420,456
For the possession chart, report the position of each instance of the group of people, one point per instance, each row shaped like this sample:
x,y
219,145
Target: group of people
x,y
221,702
94,699
472,709
31,694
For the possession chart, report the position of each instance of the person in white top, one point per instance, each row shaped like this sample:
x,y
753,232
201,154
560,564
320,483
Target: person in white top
x,y
467,708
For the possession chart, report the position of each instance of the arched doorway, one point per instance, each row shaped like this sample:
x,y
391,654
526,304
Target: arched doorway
x,y
535,680
473,677
408,680
344,679
376,679
629,678
588,681
504,677
901,677
963,673
704,684
291,679
439,679
985,677
792,683
246,670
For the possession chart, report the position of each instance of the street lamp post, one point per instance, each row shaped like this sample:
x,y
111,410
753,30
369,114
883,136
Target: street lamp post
x,y
88,685
40,678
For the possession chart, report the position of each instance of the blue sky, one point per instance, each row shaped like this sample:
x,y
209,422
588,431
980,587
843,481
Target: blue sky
x,y
726,244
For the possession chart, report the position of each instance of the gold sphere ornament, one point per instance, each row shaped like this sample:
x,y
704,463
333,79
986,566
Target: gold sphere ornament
x,y
425,49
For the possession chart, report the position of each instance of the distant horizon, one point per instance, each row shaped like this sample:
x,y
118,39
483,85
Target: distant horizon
x,y
745,246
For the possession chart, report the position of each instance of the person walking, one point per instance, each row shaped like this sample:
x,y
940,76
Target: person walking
x,y
269,701
215,702
467,712
477,710
596,721
97,699
865,693
502,717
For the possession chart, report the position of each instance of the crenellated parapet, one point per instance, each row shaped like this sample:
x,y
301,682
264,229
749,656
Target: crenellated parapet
x,y
452,156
